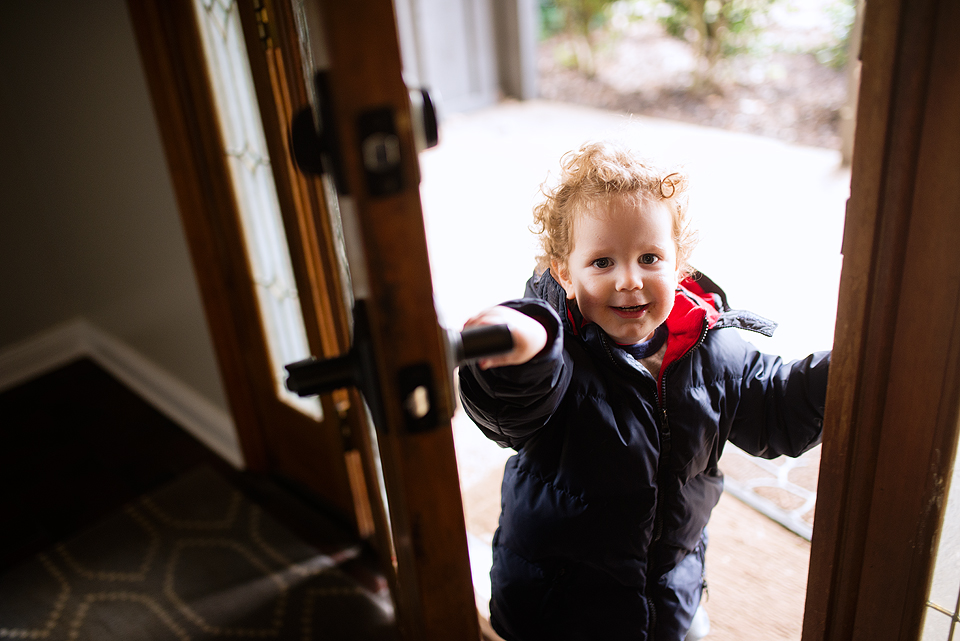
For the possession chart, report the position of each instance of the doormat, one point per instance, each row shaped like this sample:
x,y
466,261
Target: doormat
x,y
193,560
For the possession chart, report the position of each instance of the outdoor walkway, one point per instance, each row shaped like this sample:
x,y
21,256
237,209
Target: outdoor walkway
x,y
770,216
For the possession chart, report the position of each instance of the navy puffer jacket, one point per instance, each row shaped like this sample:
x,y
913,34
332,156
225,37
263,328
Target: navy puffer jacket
x,y
604,507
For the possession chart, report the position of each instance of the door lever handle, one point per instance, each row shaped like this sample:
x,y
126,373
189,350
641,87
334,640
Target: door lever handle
x,y
479,341
357,368
313,376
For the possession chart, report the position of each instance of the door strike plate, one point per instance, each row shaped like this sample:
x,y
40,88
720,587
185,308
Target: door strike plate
x,y
380,150
417,394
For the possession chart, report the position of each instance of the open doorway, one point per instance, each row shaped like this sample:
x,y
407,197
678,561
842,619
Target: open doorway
x,y
769,203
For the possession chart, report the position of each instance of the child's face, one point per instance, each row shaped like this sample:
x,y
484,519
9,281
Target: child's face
x,y
623,268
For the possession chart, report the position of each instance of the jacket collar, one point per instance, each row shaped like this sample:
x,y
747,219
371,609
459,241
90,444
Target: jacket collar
x,y
700,305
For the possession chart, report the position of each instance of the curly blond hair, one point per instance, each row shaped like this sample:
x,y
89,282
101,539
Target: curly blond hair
x,y
595,173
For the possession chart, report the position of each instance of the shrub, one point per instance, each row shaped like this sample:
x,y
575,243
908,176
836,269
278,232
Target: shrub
x,y
577,19
717,28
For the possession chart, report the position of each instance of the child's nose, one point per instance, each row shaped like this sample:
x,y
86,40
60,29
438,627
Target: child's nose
x,y
629,278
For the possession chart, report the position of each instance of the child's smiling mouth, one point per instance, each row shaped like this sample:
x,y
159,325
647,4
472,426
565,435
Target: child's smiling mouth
x,y
630,311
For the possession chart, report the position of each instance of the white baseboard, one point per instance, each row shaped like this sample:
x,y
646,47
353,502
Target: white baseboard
x,y
42,353
78,339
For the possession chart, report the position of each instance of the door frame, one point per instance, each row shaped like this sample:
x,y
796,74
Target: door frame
x,y
893,402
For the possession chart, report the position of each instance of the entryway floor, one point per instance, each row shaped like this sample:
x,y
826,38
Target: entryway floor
x,y
770,216
82,451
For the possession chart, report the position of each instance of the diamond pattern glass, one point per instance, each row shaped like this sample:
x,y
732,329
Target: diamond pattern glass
x,y
246,150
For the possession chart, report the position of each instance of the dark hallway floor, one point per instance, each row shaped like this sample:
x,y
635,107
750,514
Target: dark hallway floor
x,y
91,472
70,454
76,445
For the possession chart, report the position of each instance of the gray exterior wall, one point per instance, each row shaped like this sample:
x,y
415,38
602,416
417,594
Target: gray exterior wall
x,y
470,53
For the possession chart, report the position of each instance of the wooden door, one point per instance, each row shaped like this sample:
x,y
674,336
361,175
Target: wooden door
x,y
313,451
402,348
420,531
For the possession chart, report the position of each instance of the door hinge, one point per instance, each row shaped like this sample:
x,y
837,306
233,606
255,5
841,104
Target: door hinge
x,y
264,26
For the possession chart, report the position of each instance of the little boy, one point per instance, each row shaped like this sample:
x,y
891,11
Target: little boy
x,y
624,384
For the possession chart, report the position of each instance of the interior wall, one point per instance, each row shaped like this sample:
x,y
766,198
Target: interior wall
x,y
89,225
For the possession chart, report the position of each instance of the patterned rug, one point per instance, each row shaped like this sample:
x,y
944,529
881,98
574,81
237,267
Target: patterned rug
x,y
193,560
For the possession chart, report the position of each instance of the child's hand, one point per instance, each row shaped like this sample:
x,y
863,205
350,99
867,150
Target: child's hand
x,y
529,336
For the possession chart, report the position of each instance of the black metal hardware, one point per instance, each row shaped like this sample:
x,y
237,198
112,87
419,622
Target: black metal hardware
x,y
425,115
476,342
380,151
419,398
314,139
357,368
316,147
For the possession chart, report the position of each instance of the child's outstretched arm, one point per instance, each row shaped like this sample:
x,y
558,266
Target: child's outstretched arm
x,y
513,395
529,336
781,405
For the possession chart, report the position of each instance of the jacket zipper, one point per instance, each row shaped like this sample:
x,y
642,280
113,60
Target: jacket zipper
x,y
652,607
662,429
665,434
660,392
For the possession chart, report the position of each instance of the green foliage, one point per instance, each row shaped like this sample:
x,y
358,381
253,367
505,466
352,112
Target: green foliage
x,y
581,16
577,19
551,19
720,27
572,16
717,28
842,14
675,22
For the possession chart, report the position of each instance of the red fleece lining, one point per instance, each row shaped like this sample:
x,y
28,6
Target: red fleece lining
x,y
685,322
694,288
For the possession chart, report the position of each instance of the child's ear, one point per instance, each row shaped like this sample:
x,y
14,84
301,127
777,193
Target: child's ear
x,y
562,276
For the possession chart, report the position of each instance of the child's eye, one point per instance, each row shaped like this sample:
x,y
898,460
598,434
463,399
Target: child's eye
x,y
649,259
601,263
